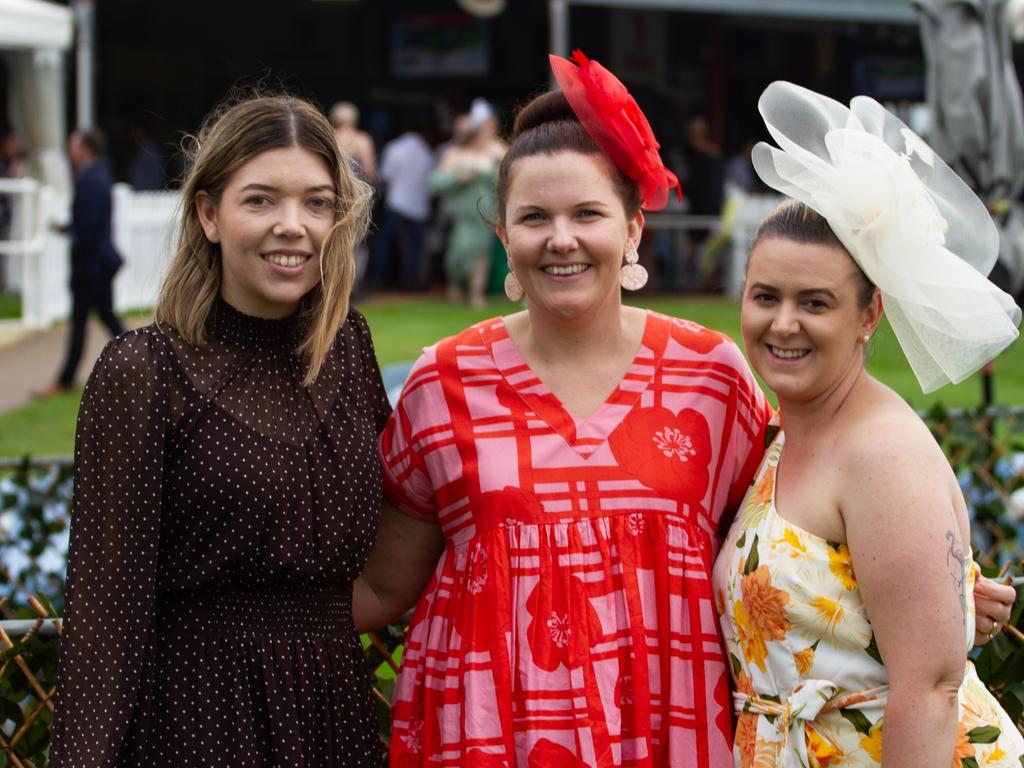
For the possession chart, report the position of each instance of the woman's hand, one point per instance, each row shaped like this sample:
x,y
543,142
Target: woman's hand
x,y
993,603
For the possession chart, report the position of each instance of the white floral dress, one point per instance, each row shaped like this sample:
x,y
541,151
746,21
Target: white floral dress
x,y
810,688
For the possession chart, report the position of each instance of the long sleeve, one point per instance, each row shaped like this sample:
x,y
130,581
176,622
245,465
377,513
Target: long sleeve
x,y
115,531
378,395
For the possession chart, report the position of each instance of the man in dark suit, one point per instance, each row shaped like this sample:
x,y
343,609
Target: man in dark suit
x,y
94,260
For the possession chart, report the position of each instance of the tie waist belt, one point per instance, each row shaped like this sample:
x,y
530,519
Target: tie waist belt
x,y
791,716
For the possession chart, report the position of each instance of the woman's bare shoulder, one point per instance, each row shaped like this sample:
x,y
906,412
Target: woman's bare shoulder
x,y
884,434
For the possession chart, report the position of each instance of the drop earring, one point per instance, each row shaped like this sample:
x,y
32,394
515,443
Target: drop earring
x,y
513,288
632,276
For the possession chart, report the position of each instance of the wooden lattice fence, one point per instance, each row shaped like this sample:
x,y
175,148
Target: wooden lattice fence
x,y
985,449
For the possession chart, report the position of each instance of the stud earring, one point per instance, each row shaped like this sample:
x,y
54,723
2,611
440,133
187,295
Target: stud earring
x,y
513,288
632,276
867,338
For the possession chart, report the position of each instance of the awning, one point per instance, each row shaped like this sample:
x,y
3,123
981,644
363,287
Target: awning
x,y
34,24
882,11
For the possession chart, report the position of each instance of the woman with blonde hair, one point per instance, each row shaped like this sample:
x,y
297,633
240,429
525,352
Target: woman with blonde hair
x,y
226,485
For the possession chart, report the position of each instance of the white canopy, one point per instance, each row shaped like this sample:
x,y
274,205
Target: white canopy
x,y
34,24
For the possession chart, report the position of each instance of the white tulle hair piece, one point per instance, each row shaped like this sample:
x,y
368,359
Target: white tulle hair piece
x,y
916,229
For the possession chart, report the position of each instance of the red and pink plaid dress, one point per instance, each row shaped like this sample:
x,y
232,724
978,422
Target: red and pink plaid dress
x,y
570,621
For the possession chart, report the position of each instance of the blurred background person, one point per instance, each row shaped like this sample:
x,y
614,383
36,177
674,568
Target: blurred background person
x,y
358,148
405,166
94,260
147,165
464,179
357,145
703,181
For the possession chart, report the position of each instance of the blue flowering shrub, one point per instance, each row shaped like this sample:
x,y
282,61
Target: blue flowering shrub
x,y
985,450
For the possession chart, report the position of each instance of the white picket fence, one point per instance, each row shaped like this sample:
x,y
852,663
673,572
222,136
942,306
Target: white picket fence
x,y
145,228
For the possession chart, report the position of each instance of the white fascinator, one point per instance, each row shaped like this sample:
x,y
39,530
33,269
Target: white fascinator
x,y
916,229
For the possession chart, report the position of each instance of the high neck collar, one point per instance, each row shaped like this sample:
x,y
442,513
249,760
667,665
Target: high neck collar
x,y
235,327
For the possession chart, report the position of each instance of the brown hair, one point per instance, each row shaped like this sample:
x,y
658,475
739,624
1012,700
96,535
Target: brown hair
x,y
230,137
793,220
547,125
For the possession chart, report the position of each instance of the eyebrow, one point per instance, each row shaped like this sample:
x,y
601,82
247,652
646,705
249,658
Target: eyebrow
x,y
270,188
805,292
583,204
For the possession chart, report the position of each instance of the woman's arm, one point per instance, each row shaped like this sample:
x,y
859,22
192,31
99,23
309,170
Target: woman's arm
x,y
907,548
112,558
400,565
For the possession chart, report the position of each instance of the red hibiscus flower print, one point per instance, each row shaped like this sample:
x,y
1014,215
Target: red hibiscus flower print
x,y
667,452
476,579
695,336
548,754
560,625
509,506
724,701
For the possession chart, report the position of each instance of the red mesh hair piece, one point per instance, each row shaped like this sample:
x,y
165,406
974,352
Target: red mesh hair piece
x,y
613,119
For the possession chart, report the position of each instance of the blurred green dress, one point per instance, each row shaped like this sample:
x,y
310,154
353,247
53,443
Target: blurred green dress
x,y
467,191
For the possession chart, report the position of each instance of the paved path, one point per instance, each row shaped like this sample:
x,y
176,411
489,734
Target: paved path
x,y
31,360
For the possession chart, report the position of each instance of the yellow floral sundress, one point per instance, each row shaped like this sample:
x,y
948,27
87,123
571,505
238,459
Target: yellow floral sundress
x,y
810,688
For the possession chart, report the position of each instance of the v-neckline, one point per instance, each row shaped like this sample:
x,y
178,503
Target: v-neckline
x,y
584,436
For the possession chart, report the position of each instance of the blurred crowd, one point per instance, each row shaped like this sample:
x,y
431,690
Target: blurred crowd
x,y
434,202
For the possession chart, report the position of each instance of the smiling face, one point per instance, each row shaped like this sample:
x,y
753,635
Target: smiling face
x,y
803,325
566,232
271,222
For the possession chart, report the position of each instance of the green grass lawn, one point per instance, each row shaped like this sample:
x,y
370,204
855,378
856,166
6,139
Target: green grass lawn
x,y
10,306
402,329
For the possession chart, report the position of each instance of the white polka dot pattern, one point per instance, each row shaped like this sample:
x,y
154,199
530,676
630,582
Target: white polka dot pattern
x,y
221,512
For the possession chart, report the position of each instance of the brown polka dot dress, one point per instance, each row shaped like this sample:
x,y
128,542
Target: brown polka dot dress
x,y
222,511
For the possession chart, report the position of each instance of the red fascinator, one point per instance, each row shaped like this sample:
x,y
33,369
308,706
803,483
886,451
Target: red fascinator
x,y
613,119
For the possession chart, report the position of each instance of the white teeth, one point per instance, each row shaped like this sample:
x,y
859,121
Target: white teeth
x,y
788,354
569,270
284,261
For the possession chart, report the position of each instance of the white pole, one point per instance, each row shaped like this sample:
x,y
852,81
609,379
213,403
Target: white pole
x,y
558,22
85,20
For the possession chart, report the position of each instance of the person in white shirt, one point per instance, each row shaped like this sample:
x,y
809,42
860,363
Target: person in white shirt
x,y
405,167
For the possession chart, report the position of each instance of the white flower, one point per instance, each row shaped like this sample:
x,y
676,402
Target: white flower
x,y
672,442
625,690
412,738
558,626
477,571
1015,505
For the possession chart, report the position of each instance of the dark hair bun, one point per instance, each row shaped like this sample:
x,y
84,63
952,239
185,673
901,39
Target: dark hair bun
x,y
547,108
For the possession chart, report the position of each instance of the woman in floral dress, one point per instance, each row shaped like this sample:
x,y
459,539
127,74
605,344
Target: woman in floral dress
x,y
570,464
845,584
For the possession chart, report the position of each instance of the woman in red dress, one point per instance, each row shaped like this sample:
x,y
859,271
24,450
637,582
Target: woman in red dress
x,y
560,476
570,464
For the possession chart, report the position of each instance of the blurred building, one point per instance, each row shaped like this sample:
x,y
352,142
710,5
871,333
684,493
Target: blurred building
x,y
159,66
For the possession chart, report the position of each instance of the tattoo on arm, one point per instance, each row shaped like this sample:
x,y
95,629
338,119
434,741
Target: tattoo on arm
x,y
956,561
